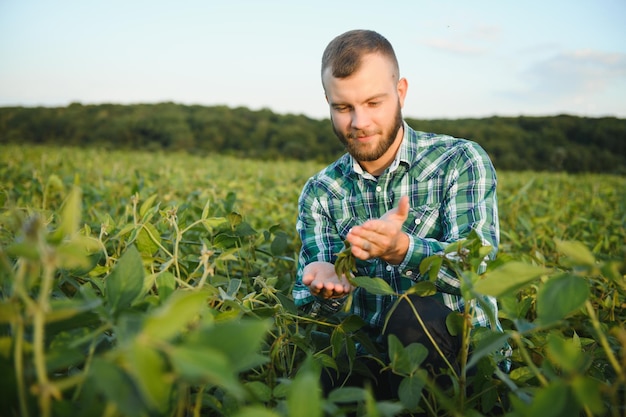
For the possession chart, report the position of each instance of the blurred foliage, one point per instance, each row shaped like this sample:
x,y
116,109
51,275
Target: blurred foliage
x,y
552,143
159,284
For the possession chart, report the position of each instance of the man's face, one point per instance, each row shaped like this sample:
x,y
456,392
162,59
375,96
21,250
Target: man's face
x,y
365,108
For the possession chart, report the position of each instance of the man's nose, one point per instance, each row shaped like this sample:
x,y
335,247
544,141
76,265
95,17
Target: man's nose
x,y
360,118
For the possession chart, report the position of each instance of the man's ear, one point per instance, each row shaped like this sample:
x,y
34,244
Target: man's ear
x,y
403,86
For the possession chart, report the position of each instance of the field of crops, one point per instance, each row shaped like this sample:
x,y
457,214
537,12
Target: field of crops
x,y
154,284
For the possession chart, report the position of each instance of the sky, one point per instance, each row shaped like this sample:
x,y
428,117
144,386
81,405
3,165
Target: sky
x,y
462,59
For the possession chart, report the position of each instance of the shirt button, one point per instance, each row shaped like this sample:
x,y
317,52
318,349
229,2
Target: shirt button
x,y
379,188
418,221
409,273
389,268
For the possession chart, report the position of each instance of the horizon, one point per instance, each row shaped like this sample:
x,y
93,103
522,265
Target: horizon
x,y
462,61
311,117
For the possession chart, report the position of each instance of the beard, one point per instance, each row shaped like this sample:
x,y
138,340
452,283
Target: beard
x,y
362,154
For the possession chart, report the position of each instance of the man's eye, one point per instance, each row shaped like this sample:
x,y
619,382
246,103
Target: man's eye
x,y
341,109
374,103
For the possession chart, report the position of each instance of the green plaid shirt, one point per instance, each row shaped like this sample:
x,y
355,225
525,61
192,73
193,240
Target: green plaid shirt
x,y
451,185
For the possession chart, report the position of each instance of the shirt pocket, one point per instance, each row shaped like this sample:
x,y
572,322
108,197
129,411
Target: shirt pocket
x,y
343,226
423,221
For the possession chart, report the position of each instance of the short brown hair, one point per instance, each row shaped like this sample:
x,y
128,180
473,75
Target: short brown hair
x,y
343,54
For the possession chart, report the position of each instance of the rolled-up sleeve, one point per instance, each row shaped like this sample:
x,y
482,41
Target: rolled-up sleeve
x,y
467,202
320,240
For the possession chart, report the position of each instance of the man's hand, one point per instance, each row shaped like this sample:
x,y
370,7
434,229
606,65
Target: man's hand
x,y
382,238
322,280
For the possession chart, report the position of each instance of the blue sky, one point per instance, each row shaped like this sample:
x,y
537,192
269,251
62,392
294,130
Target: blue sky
x,y
461,58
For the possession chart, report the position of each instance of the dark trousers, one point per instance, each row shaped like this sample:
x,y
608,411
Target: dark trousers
x,y
404,325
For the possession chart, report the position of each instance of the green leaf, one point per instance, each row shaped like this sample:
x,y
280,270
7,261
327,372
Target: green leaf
x,y
125,230
416,354
147,205
202,366
259,390
587,391
213,222
70,215
455,323
166,284
566,354
352,323
560,296
117,386
376,286
433,272
508,278
577,253
337,340
63,357
287,303
225,240
555,400
487,342
239,340
54,182
304,398
371,405
23,250
125,283
256,411
483,251
346,394
513,308
432,265
234,219
410,390
72,255
244,229
279,244
205,209
522,375
148,239
63,309
398,356
149,370
173,317
423,289
234,285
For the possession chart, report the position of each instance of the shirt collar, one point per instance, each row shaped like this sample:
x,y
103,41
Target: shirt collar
x,y
401,156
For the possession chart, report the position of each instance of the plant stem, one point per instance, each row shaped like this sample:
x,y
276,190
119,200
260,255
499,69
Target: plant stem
x,y
603,341
46,390
518,340
464,354
430,337
18,355
197,408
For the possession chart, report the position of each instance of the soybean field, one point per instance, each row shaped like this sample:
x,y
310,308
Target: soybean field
x,y
159,284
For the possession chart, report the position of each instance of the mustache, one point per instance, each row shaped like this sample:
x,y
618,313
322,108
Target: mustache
x,y
355,134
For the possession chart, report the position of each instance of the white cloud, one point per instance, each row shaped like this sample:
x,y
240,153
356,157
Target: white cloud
x,y
577,73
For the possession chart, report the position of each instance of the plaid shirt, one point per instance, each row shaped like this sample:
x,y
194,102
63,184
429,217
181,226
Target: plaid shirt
x,y
451,185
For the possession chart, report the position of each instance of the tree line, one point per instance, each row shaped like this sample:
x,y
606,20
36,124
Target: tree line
x,y
547,143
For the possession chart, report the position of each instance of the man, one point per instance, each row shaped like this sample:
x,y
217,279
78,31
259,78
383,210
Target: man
x,y
397,196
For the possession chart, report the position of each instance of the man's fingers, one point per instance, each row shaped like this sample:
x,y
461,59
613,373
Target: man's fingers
x,y
403,207
322,281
